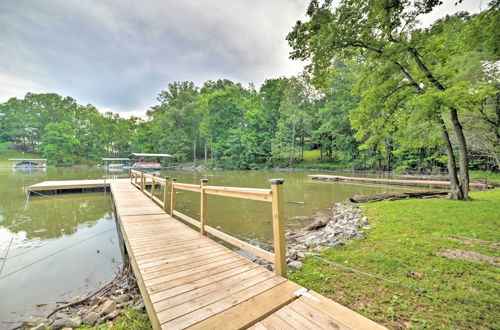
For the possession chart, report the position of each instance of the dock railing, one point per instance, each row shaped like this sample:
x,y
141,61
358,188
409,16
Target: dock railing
x,y
274,195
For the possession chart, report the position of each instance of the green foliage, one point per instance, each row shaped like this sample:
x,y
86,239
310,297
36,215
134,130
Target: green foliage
x,y
406,236
131,319
59,144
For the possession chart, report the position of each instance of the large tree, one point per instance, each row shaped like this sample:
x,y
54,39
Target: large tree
x,y
410,65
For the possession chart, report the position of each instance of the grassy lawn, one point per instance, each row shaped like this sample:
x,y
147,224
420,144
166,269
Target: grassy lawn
x,y
6,153
406,236
485,175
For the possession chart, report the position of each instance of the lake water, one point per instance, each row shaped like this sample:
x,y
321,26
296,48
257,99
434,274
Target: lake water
x,y
63,246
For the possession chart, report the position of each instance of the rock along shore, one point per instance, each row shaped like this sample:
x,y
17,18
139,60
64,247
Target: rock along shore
x,y
330,228
98,307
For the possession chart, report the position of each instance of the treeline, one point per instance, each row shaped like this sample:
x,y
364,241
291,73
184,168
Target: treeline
x,y
383,95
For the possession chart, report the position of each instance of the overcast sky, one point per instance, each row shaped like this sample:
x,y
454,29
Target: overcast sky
x,y
118,54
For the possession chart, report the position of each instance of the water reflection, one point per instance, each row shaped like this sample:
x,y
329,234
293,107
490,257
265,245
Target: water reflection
x,y
57,247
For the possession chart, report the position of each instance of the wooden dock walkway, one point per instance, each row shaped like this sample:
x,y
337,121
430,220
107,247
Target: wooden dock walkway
x,y
326,177
188,280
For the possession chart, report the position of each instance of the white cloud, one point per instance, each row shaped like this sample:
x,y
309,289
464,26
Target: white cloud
x,y
118,54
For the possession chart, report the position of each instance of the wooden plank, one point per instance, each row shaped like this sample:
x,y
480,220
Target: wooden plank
x,y
253,309
242,245
165,294
171,255
294,319
211,297
245,193
187,186
257,326
195,276
214,289
274,322
198,269
168,260
159,270
350,318
279,228
316,316
187,218
232,298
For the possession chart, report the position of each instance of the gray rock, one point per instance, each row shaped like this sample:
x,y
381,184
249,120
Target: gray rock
x,y
60,315
292,254
108,307
77,320
64,323
41,326
112,315
139,306
295,265
121,298
90,319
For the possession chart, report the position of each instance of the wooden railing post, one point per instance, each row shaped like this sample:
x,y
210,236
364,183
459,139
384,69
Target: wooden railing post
x,y
135,178
153,184
278,227
203,206
142,181
172,197
165,194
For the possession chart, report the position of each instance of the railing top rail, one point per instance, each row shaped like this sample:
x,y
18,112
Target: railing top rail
x,y
187,186
237,192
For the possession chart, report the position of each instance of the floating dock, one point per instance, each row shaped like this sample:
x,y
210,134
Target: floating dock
x,y
429,183
188,280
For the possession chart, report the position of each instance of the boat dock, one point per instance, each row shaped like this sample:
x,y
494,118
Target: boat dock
x,y
429,183
187,280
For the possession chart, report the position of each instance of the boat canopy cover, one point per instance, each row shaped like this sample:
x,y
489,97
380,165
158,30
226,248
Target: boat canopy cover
x,y
109,159
135,154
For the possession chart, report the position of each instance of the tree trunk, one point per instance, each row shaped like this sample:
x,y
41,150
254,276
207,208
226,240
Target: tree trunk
x,y
462,153
206,152
293,145
456,192
194,151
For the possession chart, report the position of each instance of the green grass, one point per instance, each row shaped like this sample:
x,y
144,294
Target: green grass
x,y
405,236
485,175
131,319
6,153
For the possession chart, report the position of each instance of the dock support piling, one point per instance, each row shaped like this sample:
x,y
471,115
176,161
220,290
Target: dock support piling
x,y
165,194
203,206
172,197
153,184
278,227
142,181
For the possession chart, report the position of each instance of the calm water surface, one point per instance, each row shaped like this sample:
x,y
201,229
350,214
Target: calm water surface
x,y
63,246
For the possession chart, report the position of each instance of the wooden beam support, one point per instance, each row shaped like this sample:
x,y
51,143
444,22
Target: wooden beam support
x,y
278,227
172,197
203,206
165,193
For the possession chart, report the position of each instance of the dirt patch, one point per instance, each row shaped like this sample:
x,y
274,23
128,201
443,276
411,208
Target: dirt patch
x,y
474,241
470,256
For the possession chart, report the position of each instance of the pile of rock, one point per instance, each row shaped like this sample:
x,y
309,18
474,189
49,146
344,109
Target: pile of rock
x,y
330,229
99,309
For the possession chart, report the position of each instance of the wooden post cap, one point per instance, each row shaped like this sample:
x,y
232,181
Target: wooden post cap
x,y
204,180
277,181
167,177
174,179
